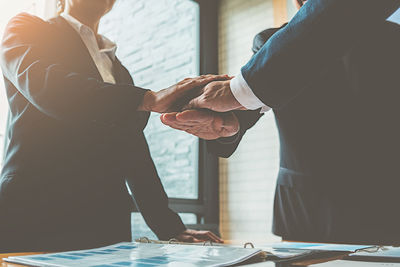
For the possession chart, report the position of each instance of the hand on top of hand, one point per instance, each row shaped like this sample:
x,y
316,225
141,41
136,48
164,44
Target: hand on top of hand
x,y
200,106
176,96
216,96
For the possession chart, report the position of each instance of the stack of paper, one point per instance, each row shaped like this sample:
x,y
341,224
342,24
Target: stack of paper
x,y
291,250
142,255
388,254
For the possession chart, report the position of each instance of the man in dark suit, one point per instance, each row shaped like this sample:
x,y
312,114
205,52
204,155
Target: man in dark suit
x,y
76,138
331,77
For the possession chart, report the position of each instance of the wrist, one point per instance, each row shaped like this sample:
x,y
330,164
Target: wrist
x,y
232,123
148,101
235,104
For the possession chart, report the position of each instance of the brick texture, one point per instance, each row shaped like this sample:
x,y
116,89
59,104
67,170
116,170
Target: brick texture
x,y
158,43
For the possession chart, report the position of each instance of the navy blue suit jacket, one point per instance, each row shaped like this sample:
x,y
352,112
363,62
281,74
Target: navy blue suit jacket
x,y
332,78
74,143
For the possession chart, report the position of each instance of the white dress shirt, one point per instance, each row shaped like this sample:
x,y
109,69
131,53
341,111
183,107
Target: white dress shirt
x,y
245,96
102,56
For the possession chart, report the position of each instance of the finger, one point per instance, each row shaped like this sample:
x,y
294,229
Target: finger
x,y
202,80
168,117
179,126
211,238
190,239
195,83
195,240
215,76
194,116
214,237
196,103
231,124
208,236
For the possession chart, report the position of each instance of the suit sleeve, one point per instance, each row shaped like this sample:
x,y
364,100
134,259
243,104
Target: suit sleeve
x,y
322,31
150,197
28,61
225,147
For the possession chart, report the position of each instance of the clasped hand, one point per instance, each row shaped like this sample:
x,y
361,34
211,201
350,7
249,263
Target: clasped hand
x,y
201,106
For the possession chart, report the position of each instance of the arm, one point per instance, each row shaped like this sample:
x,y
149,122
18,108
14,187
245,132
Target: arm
x,y
225,147
321,31
28,61
150,196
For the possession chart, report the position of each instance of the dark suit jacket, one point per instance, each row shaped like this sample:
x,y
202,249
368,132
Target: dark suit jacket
x,y
332,78
74,142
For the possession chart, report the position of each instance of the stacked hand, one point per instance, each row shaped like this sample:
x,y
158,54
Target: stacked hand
x,y
200,106
216,96
168,100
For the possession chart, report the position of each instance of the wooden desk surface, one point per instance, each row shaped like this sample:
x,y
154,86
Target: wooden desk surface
x,y
5,264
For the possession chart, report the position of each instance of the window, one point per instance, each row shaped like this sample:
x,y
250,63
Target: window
x,y
159,43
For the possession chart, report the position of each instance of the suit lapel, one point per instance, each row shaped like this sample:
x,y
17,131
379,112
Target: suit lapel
x,y
78,56
121,74
74,49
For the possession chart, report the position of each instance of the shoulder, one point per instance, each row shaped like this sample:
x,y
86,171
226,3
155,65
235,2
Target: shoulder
x,y
261,38
26,20
27,25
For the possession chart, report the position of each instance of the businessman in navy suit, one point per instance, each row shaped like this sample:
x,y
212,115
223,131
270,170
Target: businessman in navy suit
x,y
331,77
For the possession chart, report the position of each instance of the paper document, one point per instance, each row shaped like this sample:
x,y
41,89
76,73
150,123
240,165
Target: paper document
x,y
291,250
395,17
343,263
141,255
383,253
320,246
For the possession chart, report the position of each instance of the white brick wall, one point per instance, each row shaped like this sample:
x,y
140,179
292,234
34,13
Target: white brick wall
x,y
247,178
158,43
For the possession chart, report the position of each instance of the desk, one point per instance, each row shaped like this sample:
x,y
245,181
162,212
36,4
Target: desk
x,y
5,264
335,263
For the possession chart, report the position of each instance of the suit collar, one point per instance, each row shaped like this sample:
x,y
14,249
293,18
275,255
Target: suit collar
x,y
72,41
107,45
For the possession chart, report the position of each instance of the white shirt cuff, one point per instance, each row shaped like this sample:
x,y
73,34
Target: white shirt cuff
x,y
245,96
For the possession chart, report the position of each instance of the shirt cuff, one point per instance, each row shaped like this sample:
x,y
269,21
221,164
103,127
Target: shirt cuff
x,y
245,96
